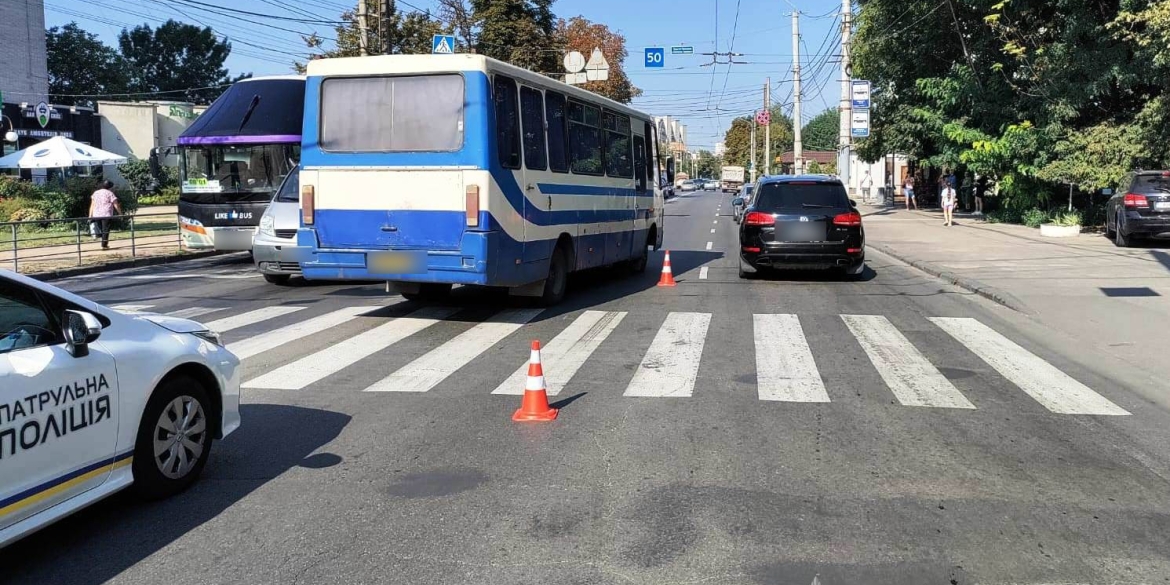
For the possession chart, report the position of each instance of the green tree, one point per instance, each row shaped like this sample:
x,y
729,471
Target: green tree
x,y
581,34
821,133
394,34
707,164
81,64
521,32
737,140
174,57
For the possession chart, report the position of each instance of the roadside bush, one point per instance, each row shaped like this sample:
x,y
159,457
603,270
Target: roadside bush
x,y
17,188
1004,215
61,205
1093,215
137,173
169,177
28,214
10,206
1034,217
1067,218
165,196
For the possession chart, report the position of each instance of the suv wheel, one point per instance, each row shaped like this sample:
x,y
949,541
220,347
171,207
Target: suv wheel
x,y
1119,238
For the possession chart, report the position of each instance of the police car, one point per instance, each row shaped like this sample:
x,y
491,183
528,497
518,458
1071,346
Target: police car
x,y
93,401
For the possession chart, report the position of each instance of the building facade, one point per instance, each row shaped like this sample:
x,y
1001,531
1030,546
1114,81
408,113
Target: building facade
x,y
24,75
144,129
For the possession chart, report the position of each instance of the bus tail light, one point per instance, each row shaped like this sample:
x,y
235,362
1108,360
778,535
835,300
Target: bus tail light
x,y
472,205
308,205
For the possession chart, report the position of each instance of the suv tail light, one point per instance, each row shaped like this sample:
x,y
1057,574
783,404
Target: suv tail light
x,y
308,206
759,218
851,219
1135,200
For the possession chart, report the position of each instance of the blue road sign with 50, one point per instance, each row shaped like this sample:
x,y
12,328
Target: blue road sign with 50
x,y
655,56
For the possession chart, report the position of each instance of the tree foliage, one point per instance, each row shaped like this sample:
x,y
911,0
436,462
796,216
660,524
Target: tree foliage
x,y
394,33
81,64
738,142
821,132
173,57
520,32
1033,94
581,34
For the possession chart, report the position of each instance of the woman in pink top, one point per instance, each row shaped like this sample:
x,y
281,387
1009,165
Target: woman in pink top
x,y
103,205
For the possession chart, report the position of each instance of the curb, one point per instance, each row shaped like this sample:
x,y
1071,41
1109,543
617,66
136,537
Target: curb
x,y
120,264
986,291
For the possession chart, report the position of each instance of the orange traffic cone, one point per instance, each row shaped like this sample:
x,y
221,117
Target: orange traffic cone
x,y
667,276
535,406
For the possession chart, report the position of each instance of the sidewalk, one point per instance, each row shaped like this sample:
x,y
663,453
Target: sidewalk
x,y
1115,298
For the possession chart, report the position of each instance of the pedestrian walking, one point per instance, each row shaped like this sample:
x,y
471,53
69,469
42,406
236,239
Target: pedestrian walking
x,y
866,185
103,205
908,191
947,198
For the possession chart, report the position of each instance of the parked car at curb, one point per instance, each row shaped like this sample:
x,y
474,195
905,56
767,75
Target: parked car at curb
x,y
742,201
1140,208
94,401
803,221
274,246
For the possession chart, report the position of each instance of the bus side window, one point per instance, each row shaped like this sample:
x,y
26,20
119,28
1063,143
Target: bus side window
x,y
639,164
558,157
617,145
507,123
585,139
532,119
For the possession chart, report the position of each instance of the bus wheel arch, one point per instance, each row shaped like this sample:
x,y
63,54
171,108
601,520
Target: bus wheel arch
x,y
565,245
560,264
652,236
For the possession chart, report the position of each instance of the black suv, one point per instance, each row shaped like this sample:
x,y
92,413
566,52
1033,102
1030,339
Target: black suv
x,y
803,221
1140,208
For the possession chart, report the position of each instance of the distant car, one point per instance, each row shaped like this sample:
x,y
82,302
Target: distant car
x,y
709,184
1140,208
93,401
802,221
688,185
742,201
274,245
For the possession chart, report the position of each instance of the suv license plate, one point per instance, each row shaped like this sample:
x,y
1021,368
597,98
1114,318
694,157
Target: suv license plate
x,y
1162,206
393,263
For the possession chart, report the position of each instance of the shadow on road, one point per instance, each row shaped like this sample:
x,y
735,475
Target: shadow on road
x,y
99,543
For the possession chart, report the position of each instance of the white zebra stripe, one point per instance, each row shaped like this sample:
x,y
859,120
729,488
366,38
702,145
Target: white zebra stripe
x,y
1052,388
236,321
909,375
277,337
785,369
567,352
433,367
671,364
333,359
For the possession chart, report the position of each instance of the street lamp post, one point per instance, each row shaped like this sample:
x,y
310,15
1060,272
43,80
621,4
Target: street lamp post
x,y
10,135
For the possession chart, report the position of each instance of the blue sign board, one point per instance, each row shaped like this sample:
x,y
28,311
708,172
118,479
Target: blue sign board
x,y
860,95
655,57
861,132
682,50
443,45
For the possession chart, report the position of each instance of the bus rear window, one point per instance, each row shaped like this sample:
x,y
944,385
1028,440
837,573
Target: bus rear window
x,y
422,113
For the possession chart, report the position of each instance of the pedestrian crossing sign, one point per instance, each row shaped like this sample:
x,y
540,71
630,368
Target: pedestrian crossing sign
x,y
443,45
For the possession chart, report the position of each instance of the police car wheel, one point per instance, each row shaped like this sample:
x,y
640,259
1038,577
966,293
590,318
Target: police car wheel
x,y
174,439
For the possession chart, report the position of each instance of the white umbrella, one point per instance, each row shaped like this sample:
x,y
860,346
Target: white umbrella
x,y
59,152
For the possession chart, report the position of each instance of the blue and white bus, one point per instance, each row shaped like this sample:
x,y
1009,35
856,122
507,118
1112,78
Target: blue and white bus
x,y
432,170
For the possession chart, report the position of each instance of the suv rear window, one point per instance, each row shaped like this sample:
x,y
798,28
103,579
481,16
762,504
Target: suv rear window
x,y
774,197
1151,184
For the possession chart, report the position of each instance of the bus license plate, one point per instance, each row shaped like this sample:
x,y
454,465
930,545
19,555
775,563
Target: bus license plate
x,y
392,263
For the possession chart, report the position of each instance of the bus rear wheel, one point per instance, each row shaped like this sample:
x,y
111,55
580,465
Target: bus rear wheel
x,y
429,291
558,278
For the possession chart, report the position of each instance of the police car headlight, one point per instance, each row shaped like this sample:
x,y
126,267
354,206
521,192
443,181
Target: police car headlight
x,y
209,336
267,225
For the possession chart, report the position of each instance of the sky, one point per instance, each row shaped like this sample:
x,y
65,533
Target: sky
x,y
705,98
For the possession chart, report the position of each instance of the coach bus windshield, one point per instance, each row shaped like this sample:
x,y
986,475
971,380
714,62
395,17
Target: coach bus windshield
x,y
236,168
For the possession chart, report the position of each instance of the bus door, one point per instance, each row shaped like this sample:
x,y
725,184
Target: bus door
x,y
506,98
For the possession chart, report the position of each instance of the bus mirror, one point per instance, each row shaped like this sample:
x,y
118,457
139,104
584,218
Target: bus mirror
x,y
670,170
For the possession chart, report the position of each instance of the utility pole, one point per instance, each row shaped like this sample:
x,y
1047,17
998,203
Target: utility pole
x,y
752,162
383,26
844,150
768,128
364,27
797,148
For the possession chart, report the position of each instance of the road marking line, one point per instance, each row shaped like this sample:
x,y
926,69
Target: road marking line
x,y
192,312
709,244
1054,389
671,365
131,308
703,273
712,230
335,358
567,352
208,276
277,337
910,376
716,222
234,322
433,367
785,369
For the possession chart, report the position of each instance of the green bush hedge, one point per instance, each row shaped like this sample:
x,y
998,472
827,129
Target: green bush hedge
x,y
165,196
9,207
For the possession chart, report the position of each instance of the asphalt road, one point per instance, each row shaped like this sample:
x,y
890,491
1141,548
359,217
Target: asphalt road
x,y
912,460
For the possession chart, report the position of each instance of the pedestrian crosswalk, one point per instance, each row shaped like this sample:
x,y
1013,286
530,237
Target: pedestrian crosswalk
x,y
787,361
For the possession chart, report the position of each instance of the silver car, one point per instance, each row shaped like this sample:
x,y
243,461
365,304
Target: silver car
x,y
742,201
274,243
